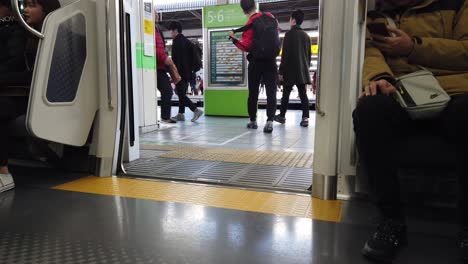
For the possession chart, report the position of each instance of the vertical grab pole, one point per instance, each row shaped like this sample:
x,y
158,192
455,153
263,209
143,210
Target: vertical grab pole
x,y
318,106
108,57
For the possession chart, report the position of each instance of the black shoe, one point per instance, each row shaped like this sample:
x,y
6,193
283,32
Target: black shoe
x,y
268,127
169,121
280,119
389,237
464,244
304,122
252,125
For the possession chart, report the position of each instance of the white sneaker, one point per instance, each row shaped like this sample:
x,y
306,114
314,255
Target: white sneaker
x,y
6,182
196,115
179,117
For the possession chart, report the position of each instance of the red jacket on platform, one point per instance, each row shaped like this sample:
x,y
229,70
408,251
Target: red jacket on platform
x,y
161,55
245,44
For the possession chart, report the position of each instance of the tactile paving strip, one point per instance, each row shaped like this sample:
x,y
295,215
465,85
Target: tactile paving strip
x,y
229,198
229,173
275,158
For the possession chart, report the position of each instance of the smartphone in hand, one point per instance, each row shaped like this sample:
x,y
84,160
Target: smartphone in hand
x,y
379,29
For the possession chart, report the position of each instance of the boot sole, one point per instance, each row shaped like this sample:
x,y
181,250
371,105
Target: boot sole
x,y
367,253
7,188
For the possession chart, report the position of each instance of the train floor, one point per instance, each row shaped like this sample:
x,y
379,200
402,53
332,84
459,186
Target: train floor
x,y
58,217
221,150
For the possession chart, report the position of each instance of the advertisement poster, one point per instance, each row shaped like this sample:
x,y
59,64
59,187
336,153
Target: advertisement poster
x,y
148,29
227,62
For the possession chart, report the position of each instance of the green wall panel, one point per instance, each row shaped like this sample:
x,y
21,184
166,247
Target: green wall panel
x,y
226,102
142,61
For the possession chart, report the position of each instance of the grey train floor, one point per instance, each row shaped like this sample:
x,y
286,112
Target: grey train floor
x,y
40,225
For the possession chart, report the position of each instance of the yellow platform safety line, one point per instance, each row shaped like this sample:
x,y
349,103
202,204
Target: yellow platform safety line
x,y
212,196
275,158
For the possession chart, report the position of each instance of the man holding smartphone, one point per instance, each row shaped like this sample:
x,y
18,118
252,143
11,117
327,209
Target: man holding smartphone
x,y
261,34
428,33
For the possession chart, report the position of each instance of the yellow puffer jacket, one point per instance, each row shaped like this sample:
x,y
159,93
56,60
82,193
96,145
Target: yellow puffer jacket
x,y
440,29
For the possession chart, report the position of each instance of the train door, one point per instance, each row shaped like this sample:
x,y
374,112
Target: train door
x,y
341,52
63,100
223,169
341,60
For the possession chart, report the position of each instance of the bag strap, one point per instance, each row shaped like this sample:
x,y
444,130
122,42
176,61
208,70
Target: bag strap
x,y
243,29
246,27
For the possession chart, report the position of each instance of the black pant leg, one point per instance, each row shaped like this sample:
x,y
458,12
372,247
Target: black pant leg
x,y
270,74
285,99
255,76
4,142
181,89
16,78
304,100
164,86
379,122
10,108
455,121
184,101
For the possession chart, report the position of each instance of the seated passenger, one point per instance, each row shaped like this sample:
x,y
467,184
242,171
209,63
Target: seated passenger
x,y
12,42
432,34
13,107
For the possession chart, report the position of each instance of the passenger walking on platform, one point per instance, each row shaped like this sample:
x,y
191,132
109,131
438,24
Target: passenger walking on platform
x,y
294,68
164,84
261,40
182,55
432,34
12,107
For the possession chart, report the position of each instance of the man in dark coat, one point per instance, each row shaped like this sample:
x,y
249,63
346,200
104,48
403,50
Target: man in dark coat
x,y
182,57
294,68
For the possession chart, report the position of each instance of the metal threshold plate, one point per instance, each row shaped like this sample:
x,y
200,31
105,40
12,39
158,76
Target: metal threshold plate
x,y
259,176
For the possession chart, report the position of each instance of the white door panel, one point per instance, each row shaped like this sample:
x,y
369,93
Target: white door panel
x,y
64,92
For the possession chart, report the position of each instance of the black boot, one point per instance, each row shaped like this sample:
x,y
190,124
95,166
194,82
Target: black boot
x,y
389,237
464,244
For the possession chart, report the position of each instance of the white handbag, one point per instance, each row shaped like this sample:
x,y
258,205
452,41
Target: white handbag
x,y
421,95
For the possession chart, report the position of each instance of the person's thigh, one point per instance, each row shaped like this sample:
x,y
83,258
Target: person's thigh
x,y
287,89
12,107
16,78
455,118
255,77
164,84
270,73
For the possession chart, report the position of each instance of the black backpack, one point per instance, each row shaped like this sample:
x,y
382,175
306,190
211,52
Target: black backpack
x,y
266,41
197,55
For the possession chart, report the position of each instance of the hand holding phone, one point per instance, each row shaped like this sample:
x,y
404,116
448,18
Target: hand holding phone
x,y
379,29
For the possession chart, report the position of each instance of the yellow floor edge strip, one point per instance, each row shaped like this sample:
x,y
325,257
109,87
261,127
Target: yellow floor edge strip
x,y
228,198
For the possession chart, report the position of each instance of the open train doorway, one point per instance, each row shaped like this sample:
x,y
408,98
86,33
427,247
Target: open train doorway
x,y
218,148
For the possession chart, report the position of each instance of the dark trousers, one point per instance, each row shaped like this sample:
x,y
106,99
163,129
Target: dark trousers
x,y
379,122
266,72
181,89
15,78
10,109
302,94
165,88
